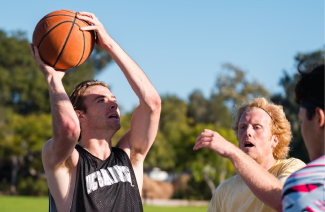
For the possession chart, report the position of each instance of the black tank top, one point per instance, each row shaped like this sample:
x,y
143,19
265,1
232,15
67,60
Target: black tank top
x,y
108,185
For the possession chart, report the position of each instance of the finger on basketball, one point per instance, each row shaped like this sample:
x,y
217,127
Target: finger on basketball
x,y
32,50
86,19
88,28
87,16
37,57
91,15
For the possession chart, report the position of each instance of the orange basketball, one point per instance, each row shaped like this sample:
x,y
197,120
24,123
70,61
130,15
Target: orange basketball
x,y
60,42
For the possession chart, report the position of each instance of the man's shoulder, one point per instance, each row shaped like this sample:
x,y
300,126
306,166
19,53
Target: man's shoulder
x,y
312,167
229,183
290,163
284,168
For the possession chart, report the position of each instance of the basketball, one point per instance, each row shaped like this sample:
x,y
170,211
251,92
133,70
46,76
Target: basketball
x,y
60,42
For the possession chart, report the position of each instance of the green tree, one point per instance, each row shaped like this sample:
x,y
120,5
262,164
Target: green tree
x,y
287,100
21,143
211,110
233,87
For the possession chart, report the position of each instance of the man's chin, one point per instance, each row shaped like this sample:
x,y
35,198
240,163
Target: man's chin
x,y
115,127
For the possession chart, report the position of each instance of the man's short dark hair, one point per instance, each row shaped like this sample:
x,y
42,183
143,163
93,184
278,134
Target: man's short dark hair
x,y
76,96
310,90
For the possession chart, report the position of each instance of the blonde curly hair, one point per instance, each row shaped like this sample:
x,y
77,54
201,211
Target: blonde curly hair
x,y
279,126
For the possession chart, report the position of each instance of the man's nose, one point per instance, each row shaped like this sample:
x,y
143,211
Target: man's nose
x,y
113,105
249,131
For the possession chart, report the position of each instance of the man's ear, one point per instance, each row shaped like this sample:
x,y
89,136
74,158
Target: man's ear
x,y
275,140
80,115
320,117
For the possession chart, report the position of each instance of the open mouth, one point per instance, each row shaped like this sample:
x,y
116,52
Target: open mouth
x,y
113,116
248,144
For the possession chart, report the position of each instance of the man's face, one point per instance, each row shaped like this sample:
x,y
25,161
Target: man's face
x,y
255,136
102,109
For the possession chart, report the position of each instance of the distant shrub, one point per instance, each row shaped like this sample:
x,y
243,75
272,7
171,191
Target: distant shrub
x,y
32,187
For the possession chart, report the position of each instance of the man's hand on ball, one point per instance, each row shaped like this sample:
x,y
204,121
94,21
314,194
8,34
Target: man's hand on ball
x,y
96,25
46,69
215,142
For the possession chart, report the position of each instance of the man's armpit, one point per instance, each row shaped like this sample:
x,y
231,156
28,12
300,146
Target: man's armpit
x,y
136,157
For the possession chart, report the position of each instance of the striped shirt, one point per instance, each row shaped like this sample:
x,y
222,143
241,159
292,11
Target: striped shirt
x,y
304,190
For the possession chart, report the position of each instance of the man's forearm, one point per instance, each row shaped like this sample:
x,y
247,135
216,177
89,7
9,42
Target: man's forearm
x,y
138,80
64,118
264,185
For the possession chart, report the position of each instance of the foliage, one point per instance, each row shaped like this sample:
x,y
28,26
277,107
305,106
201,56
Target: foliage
x,y
234,88
291,108
34,187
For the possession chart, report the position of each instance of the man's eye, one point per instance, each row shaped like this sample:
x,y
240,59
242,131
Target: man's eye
x,y
243,127
102,100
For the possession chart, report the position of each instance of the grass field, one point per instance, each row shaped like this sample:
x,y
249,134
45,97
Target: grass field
x,y
41,204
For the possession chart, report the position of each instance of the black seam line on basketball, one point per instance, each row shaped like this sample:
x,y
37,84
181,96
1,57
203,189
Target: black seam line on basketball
x,y
39,44
84,22
83,50
55,15
69,11
66,40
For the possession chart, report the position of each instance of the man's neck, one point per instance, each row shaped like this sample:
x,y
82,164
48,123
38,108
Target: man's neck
x,y
100,148
315,145
268,163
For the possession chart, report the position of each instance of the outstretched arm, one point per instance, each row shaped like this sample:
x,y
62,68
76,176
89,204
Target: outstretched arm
x,y
264,185
145,119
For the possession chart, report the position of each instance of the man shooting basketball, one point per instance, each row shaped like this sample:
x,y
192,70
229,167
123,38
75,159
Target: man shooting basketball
x,y
94,176
263,134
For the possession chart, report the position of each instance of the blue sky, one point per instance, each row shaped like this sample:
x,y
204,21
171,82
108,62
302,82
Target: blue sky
x,y
181,45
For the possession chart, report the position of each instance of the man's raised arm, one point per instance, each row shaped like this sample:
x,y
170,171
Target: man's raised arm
x,y
65,123
144,124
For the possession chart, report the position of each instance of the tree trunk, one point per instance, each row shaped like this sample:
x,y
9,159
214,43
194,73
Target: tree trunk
x,y
16,162
208,180
223,171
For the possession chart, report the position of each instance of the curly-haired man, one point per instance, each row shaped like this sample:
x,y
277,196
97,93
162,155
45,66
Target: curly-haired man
x,y
263,134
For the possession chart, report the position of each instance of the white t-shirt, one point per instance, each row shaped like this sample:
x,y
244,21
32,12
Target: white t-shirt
x,y
233,195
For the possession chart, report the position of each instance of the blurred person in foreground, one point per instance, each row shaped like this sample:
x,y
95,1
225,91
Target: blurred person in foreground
x,y
304,190
263,134
93,175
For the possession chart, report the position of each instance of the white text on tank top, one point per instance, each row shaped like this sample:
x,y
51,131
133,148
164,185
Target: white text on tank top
x,y
107,177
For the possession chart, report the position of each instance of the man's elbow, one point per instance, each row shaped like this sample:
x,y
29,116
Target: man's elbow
x,y
70,130
155,104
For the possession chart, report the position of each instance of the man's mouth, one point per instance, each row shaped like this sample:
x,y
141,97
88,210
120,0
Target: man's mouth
x,y
248,144
114,116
